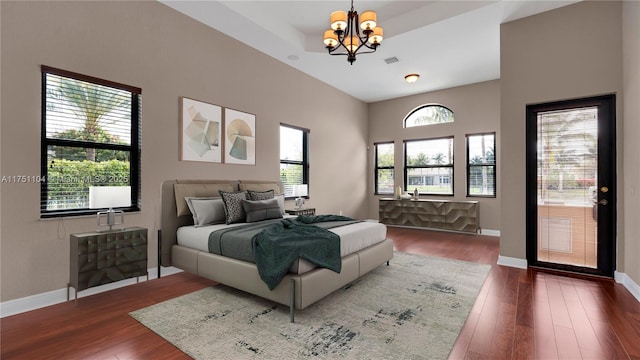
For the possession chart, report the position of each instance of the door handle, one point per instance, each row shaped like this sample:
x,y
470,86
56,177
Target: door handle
x,y
603,202
604,189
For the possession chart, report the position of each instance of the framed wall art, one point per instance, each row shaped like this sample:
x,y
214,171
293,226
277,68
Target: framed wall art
x,y
201,131
240,137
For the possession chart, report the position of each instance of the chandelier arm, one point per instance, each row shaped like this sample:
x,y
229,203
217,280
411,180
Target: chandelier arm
x,y
342,46
347,54
333,52
366,52
372,47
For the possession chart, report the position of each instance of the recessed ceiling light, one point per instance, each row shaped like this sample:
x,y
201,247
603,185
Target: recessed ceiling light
x,y
411,78
293,57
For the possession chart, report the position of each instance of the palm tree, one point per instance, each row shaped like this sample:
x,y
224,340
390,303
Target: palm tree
x,y
439,160
488,156
90,102
420,160
433,114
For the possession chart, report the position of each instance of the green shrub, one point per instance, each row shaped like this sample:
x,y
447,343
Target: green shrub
x,y
68,181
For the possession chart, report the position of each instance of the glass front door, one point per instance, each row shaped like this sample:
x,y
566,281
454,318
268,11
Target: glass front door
x,y
570,174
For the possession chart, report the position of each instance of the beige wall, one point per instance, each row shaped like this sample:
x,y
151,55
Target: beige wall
x,y
631,119
168,55
571,52
476,109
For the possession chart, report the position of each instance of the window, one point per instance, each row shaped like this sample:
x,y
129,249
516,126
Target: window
x,y
481,165
294,158
90,137
428,115
384,168
428,166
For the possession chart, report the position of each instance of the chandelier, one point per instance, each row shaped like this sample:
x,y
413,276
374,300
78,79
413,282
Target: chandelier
x,y
344,38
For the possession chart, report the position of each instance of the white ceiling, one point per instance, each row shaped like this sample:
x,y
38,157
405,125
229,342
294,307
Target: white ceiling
x,y
449,43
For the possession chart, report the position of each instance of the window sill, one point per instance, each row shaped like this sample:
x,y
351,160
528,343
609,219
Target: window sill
x,y
82,215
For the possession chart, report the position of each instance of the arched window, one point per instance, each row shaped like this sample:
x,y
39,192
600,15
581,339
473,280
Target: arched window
x,y
428,115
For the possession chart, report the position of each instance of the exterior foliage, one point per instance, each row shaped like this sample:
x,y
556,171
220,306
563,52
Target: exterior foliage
x,y
428,115
72,179
91,103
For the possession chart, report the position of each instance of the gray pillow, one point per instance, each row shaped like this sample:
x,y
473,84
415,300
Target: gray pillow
x,y
260,195
234,213
206,210
258,210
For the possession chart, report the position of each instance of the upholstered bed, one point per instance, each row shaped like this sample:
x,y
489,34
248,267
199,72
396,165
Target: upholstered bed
x,y
363,247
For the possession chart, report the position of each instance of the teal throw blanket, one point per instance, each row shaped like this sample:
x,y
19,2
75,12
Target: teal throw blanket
x,y
306,237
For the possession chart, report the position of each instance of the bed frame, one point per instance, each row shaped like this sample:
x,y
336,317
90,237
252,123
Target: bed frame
x,y
296,290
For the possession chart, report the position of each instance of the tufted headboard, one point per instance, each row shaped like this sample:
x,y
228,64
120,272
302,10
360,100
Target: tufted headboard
x,y
175,213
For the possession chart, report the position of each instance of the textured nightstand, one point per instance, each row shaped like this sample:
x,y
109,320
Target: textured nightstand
x,y
306,211
99,258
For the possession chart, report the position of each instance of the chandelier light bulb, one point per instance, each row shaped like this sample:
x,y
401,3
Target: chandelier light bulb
x,y
330,39
352,43
339,20
377,36
368,20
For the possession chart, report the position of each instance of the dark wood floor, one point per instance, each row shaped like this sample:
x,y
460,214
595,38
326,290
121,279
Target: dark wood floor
x,y
519,314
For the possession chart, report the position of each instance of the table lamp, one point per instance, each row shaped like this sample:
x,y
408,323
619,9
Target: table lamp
x,y
108,197
300,191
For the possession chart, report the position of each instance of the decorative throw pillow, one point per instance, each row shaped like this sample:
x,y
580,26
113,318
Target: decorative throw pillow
x,y
258,210
206,210
260,195
233,210
280,199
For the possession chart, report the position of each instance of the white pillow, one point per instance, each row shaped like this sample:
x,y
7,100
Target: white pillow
x,y
206,211
280,198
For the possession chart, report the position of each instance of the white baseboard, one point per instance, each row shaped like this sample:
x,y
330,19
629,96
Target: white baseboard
x,y
480,232
628,283
490,232
512,262
17,306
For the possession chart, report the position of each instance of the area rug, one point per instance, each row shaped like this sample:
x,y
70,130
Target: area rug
x,y
412,309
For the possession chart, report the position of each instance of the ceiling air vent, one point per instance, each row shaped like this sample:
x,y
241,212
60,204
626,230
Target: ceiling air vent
x,y
391,60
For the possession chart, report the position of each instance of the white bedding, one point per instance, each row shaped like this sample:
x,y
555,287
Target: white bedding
x,y
353,237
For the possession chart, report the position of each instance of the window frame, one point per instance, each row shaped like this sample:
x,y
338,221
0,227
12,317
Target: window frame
x,y
377,168
404,121
305,159
451,165
469,165
134,148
